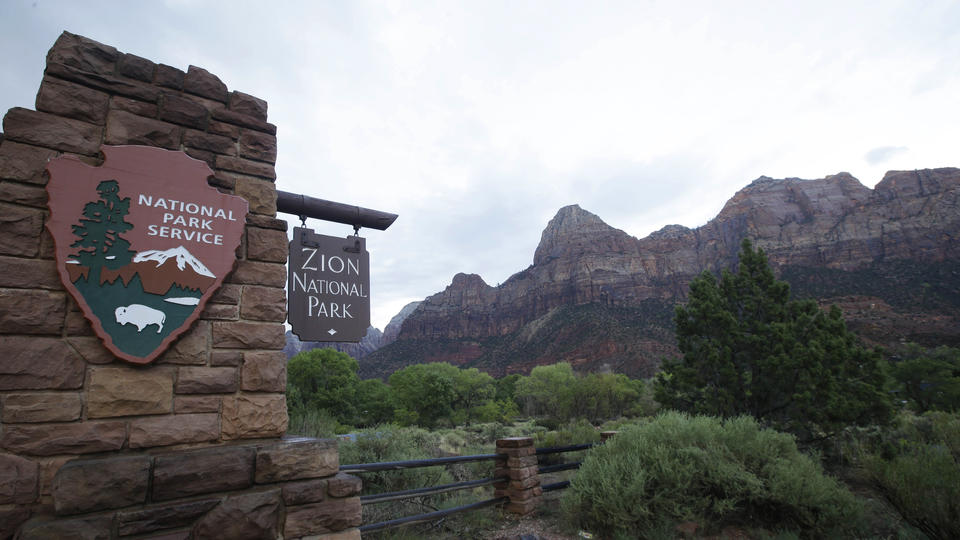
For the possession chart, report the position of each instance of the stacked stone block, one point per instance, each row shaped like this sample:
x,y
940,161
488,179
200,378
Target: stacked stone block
x,y
63,396
290,489
519,464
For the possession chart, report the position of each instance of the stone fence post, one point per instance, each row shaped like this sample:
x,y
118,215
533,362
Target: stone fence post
x,y
518,462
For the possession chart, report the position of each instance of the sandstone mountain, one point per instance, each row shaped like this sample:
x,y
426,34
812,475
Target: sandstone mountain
x,y
603,300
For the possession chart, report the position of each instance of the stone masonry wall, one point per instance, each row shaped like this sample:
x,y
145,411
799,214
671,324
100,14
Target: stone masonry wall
x,y
72,415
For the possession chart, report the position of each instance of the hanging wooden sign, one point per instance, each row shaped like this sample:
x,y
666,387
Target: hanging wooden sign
x,y
328,287
142,242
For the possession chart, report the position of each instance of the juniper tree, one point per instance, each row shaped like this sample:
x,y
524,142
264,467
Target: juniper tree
x,y
749,349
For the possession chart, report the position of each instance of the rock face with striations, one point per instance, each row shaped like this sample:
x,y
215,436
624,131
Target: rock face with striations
x,y
603,300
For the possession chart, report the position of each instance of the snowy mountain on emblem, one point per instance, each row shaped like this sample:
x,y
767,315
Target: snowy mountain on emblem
x,y
180,254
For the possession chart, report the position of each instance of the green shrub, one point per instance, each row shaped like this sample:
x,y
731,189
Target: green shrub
x,y
313,422
677,468
917,468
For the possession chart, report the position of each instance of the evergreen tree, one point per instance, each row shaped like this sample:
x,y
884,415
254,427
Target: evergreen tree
x,y
98,233
748,349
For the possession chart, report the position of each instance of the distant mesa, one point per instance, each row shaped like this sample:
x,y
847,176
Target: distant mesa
x,y
604,301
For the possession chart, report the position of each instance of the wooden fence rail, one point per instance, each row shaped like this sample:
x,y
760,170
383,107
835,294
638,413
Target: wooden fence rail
x,y
434,490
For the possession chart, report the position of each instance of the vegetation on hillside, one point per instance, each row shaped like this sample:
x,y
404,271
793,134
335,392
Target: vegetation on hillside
x,y
759,372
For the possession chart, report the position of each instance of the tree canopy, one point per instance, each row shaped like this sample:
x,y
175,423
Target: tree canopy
x,y
748,349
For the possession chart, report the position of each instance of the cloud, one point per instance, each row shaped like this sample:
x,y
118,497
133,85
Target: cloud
x,y
882,154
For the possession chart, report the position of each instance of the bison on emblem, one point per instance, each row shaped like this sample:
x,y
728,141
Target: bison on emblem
x,y
140,316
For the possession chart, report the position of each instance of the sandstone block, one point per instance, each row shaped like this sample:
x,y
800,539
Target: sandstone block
x,y
518,452
182,111
134,106
127,128
202,471
244,166
313,458
226,358
52,131
196,404
48,470
306,491
514,442
11,517
110,84
168,516
249,416
264,371
72,100
203,155
39,363
349,534
20,230
259,273
41,407
128,391
220,312
261,194
266,222
192,348
78,325
250,515
248,335
527,483
243,120
31,311
203,83
227,294
263,304
18,480
170,77
522,507
259,146
97,484
208,141
55,439
177,429
268,245
206,380
222,128
83,53
248,105
86,528
23,194
20,273
344,485
136,67
518,462
332,515
24,162
523,494
90,348
521,474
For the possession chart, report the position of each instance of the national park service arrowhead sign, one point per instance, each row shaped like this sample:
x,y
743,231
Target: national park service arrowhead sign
x,y
142,242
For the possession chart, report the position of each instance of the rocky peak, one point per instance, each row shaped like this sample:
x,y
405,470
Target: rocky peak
x,y
392,330
572,232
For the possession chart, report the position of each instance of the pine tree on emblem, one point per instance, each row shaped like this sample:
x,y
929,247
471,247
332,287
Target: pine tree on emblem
x,y
98,233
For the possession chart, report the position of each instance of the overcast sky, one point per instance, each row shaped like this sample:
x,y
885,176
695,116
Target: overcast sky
x,y
475,121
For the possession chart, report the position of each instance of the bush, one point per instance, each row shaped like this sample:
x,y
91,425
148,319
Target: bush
x,y
917,468
678,468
